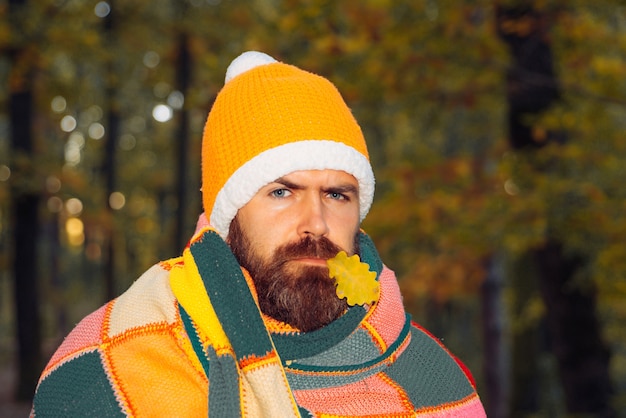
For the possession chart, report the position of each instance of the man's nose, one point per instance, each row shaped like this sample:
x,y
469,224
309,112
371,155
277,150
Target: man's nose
x,y
313,220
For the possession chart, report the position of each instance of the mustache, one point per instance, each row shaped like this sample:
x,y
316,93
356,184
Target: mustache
x,y
307,247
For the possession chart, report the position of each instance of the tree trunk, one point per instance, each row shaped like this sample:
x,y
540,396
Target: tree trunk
x,y
25,204
525,339
493,314
531,81
571,316
26,231
108,166
183,75
574,332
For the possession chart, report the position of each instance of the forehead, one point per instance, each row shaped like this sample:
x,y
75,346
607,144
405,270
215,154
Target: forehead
x,y
322,178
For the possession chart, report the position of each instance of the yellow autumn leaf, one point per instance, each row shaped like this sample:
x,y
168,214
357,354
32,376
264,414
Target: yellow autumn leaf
x,y
354,280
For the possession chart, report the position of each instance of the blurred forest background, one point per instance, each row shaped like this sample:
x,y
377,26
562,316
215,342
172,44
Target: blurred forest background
x,y
496,131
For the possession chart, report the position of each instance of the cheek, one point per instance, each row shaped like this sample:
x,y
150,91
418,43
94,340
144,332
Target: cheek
x,y
344,233
266,236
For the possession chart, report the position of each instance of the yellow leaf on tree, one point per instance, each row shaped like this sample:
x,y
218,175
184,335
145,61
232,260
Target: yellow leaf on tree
x,y
354,280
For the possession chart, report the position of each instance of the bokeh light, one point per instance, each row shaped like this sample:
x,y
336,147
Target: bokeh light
x,y
74,206
176,99
58,104
151,59
162,113
127,142
53,184
117,200
75,230
96,131
73,148
102,9
511,188
68,123
5,173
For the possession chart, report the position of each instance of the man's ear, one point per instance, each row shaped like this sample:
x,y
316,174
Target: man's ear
x,y
234,222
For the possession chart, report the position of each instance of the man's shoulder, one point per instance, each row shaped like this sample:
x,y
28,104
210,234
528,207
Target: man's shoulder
x,y
148,304
147,301
135,341
433,378
426,338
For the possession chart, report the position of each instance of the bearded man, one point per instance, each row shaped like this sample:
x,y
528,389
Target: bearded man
x,y
280,305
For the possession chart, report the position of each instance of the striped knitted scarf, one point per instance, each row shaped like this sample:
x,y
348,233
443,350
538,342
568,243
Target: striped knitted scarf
x,y
216,303
188,335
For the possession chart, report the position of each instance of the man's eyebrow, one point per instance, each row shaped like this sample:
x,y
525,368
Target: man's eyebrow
x,y
339,188
288,184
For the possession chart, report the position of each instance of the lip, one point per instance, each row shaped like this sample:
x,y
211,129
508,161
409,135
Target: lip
x,y
314,261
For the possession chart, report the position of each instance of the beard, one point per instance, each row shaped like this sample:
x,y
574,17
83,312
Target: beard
x,y
300,295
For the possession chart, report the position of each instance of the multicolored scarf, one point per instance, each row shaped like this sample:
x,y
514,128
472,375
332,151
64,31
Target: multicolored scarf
x,y
187,339
229,336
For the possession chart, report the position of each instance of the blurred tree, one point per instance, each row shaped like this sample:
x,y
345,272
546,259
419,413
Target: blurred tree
x,y
494,313
25,202
583,358
531,89
182,134
109,164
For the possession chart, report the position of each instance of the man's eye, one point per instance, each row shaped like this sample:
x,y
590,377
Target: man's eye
x,y
280,193
337,196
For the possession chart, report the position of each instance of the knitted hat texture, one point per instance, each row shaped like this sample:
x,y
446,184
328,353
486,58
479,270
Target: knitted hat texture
x,y
271,119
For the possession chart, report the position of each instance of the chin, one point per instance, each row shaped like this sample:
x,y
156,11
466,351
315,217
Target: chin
x,y
306,300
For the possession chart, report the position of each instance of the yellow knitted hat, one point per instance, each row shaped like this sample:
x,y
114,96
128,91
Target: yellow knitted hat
x,y
269,120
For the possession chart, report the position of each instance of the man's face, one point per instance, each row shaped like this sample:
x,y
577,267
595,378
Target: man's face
x,y
284,236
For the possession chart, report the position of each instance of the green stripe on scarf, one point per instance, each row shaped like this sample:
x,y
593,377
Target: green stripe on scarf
x,y
369,254
192,332
432,386
91,393
224,399
230,296
391,350
243,338
224,394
